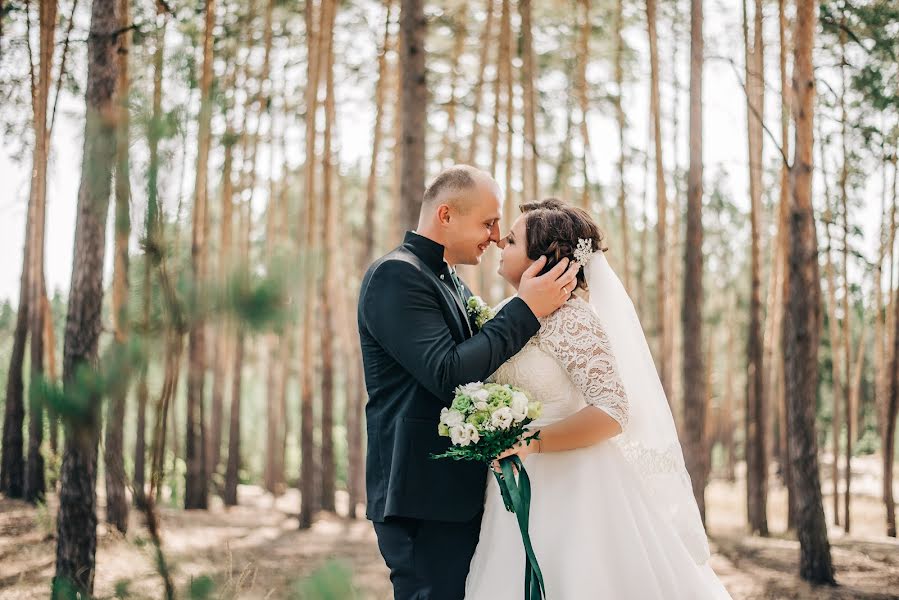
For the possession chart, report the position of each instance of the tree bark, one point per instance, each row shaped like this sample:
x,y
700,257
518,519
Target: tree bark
x,y
528,77
450,146
803,315
196,479
661,203
413,28
229,492
12,475
35,485
756,409
478,93
892,404
150,256
113,456
849,409
694,371
782,283
307,484
621,119
583,98
77,518
327,285
835,347
371,189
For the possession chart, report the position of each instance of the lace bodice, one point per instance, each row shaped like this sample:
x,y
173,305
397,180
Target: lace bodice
x,y
568,365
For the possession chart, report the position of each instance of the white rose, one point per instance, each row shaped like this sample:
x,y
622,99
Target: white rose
x,y
480,396
458,435
464,434
480,405
502,417
473,434
469,388
519,406
451,418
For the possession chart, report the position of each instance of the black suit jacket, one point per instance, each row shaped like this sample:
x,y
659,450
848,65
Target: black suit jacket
x,y
418,344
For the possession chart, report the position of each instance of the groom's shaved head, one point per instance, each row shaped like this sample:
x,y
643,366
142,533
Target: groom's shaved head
x,y
451,185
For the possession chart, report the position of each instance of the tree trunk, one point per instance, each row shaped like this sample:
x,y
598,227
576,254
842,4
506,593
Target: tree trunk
x,y
583,99
756,410
505,67
528,77
802,319
153,220
396,209
35,486
661,203
694,370
849,409
52,371
782,291
413,28
307,483
113,454
229,493
327,285
478,94
196,478
729,408
621,119
892,404
224,335
450,146
371,189
77,518
835,347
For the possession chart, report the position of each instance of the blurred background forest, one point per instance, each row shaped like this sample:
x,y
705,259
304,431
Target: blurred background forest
x,y
182,389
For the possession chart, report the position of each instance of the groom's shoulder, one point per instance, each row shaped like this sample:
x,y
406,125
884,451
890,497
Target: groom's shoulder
x,y
398,263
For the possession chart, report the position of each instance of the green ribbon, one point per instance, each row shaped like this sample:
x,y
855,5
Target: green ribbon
x,y
517,499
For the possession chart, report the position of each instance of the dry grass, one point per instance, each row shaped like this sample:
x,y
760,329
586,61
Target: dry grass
x,y
255,550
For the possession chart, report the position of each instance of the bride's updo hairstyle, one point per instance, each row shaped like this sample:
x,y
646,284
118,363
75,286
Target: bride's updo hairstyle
x,y
553,229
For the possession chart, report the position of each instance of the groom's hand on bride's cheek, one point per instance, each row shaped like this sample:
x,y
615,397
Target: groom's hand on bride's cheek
x,y
545,293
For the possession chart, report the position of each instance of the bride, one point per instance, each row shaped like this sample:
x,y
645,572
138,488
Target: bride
x,y
612,511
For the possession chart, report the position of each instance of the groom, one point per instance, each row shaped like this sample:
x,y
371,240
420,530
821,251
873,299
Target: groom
x,y
418,344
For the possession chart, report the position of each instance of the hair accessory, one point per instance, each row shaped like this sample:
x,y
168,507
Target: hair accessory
x,y
583,252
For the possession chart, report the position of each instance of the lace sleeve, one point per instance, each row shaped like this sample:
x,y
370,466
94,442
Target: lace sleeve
x,y
575,337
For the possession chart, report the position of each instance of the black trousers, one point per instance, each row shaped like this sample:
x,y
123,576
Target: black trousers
x,y
428,560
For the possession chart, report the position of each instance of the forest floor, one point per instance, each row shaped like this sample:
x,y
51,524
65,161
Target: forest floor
x,y
255,550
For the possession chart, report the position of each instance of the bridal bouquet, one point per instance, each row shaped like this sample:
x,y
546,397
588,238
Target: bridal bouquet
x,y
484,420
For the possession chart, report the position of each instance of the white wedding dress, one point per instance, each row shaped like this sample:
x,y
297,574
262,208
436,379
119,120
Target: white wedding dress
x,y
597,529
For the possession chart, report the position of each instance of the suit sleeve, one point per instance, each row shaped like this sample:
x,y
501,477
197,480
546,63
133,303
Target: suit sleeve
x,y
403,314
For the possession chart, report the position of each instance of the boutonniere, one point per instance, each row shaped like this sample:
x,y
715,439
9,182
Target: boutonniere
x,y
479,310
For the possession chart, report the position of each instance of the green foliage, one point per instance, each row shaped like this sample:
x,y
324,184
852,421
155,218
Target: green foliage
x,y
121,589
77,400
868,443
871,26
333,581
257,301
7,316
201,588
63,588
45,519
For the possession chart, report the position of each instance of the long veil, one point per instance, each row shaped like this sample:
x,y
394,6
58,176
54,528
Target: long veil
x,y
650,441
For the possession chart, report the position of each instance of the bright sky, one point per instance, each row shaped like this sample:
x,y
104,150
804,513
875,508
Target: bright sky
x,y
724,146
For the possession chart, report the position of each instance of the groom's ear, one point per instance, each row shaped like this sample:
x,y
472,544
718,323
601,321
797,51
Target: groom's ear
x,y
443,214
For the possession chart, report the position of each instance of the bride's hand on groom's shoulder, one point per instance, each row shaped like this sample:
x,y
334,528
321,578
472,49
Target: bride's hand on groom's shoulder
x,y
544,294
